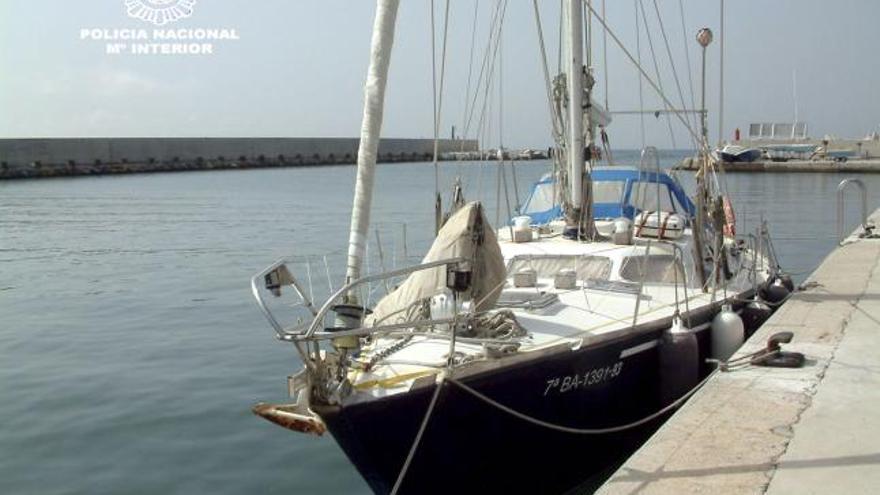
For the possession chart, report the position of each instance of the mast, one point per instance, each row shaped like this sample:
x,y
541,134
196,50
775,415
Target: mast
x,y
374,101
575,85
704,37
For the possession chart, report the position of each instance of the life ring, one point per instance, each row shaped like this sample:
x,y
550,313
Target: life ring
x,y
729,218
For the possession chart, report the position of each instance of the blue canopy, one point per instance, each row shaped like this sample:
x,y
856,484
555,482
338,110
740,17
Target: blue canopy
x,y
616,193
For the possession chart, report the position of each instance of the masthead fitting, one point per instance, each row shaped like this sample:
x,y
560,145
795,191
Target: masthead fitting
x,y
704,37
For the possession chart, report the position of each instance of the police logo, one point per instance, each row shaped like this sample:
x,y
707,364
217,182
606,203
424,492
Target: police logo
x,y
159,12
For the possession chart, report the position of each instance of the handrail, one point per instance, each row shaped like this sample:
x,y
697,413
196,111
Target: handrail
x,y
262,304
319,317
840,203
362,331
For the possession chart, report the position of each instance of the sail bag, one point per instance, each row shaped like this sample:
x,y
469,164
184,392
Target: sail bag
x,y
467,234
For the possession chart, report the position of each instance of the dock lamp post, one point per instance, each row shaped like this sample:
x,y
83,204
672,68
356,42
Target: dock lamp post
x,y
704,38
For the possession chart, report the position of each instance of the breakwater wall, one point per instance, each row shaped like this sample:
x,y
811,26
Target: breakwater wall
x,y
56,157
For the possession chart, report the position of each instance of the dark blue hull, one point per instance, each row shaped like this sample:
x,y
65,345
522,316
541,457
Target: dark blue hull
x,y
470,446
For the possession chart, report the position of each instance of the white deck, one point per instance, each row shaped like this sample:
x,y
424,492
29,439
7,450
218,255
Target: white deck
x,y
577,317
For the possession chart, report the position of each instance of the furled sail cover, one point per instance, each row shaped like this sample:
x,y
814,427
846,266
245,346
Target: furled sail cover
x,y
466,234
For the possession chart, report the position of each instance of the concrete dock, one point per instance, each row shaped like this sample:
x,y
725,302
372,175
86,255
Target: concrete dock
x,y
860,165
814,429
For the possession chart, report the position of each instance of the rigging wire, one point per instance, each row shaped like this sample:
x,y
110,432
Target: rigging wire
x,y
687,57
588,104
639,64
502,160
554,122
500,59
483,65
518,204
438,94
721,78
588,34
498,197
502,173
656,67
605,59
467,92
654,86
486,128
669,55
434,100
559,39
492,71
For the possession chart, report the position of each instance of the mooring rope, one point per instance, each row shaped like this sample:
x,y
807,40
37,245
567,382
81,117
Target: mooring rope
x,y
581,431
418,439
565,429
723,366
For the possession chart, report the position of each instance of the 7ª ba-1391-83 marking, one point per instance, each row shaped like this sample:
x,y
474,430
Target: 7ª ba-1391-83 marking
x,y
595,376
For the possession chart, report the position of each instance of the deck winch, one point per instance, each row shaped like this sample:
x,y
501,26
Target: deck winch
x,y
348,317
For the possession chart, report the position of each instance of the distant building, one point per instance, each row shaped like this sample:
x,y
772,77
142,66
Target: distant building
x,y
787,130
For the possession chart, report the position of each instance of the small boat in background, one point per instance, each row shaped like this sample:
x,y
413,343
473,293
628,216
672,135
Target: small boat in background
x,y
790,151
838,155
734,153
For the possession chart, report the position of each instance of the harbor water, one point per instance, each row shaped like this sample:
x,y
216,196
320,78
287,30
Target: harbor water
x,y
132,350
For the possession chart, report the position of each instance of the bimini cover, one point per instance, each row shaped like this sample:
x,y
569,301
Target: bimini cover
x,y
542,205
466,234
617,192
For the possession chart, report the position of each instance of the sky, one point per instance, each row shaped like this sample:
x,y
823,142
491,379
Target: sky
x,y
299,66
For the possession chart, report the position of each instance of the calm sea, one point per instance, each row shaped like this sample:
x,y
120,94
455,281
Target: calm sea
x,y
131,350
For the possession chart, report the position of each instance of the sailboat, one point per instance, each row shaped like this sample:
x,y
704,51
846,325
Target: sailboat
x,y
529,357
